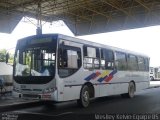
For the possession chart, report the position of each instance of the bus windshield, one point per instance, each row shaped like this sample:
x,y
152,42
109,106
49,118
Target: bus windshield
x,y
35,61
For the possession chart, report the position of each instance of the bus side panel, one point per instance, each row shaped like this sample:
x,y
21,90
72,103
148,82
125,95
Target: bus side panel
x,y
146,77
137,76
73,85
106,89
117,85
145,84
71,92
120,88
141,80
96,91
113,89
60,88
141,86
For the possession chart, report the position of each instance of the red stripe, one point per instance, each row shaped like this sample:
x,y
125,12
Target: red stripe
x,y
109,78
96,75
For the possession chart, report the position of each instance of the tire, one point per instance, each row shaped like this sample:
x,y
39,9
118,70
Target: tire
x,y
131,91
152,78
84,97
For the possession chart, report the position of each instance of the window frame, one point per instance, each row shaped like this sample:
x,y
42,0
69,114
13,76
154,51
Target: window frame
x,y
142,58
126,61
146,62
93,59
63,47
103,52
132,69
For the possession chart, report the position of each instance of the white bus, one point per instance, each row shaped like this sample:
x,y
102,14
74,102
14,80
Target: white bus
x,y
55,67
152,73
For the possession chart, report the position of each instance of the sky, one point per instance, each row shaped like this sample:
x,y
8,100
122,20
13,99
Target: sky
x,y
142,40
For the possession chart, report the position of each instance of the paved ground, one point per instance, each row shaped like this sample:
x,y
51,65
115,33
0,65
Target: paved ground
x,y
146,101
6,69
154,83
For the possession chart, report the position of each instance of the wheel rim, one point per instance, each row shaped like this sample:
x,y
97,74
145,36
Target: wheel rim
x,y
86,96
131,90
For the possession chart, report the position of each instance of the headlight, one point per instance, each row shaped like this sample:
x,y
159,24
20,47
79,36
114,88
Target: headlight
x,y
49,90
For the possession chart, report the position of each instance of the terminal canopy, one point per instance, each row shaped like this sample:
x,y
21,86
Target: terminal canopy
x,y
83,16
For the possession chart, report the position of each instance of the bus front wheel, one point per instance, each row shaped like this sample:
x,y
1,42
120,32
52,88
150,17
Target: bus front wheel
x,y
84,97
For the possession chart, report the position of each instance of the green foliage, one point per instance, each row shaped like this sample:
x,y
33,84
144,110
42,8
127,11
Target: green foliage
x,y
11,58
3,55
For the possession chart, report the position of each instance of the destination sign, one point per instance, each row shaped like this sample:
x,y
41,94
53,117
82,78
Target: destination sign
x,y
41,40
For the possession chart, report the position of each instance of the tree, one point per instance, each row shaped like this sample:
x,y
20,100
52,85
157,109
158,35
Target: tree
x,y
3,55
11,57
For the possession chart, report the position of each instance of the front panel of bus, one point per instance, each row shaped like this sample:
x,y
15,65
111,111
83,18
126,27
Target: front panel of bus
x,y
35,67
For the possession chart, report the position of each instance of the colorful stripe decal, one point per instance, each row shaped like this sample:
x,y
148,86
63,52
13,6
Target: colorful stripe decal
x,y
104,76
92,76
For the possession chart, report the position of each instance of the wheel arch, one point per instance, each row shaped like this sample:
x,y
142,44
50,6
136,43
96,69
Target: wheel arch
x,y
133,83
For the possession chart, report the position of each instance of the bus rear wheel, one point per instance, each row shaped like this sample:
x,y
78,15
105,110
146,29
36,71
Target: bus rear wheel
x,y
131,91
84,97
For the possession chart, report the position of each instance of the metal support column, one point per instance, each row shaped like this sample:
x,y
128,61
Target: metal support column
x,y
39,20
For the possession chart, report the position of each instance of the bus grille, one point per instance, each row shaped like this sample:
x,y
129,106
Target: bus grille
x,y
31,96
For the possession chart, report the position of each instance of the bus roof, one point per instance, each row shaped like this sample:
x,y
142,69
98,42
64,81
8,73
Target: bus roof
x,y
82,41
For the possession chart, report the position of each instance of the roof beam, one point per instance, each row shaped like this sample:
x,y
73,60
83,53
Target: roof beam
x,y
85,18
142,4
113,4
74,5
95,11
15,6
77,4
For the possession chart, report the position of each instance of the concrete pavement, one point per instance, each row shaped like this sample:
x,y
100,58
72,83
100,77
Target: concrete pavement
x,y
154,84
5,69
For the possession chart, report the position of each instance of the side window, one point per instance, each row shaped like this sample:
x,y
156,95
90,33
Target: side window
x,y
107,59
146,63
91,57
132,62
121,62
141,64
69,60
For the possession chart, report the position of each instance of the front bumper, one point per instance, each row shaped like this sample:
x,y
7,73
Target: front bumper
x,y
43,96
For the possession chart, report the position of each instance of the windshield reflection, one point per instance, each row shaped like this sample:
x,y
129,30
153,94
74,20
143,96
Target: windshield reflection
x,y
35,62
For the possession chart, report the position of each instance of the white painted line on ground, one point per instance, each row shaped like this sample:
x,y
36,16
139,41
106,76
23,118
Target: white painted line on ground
x,y
17,103
24,112
65,113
